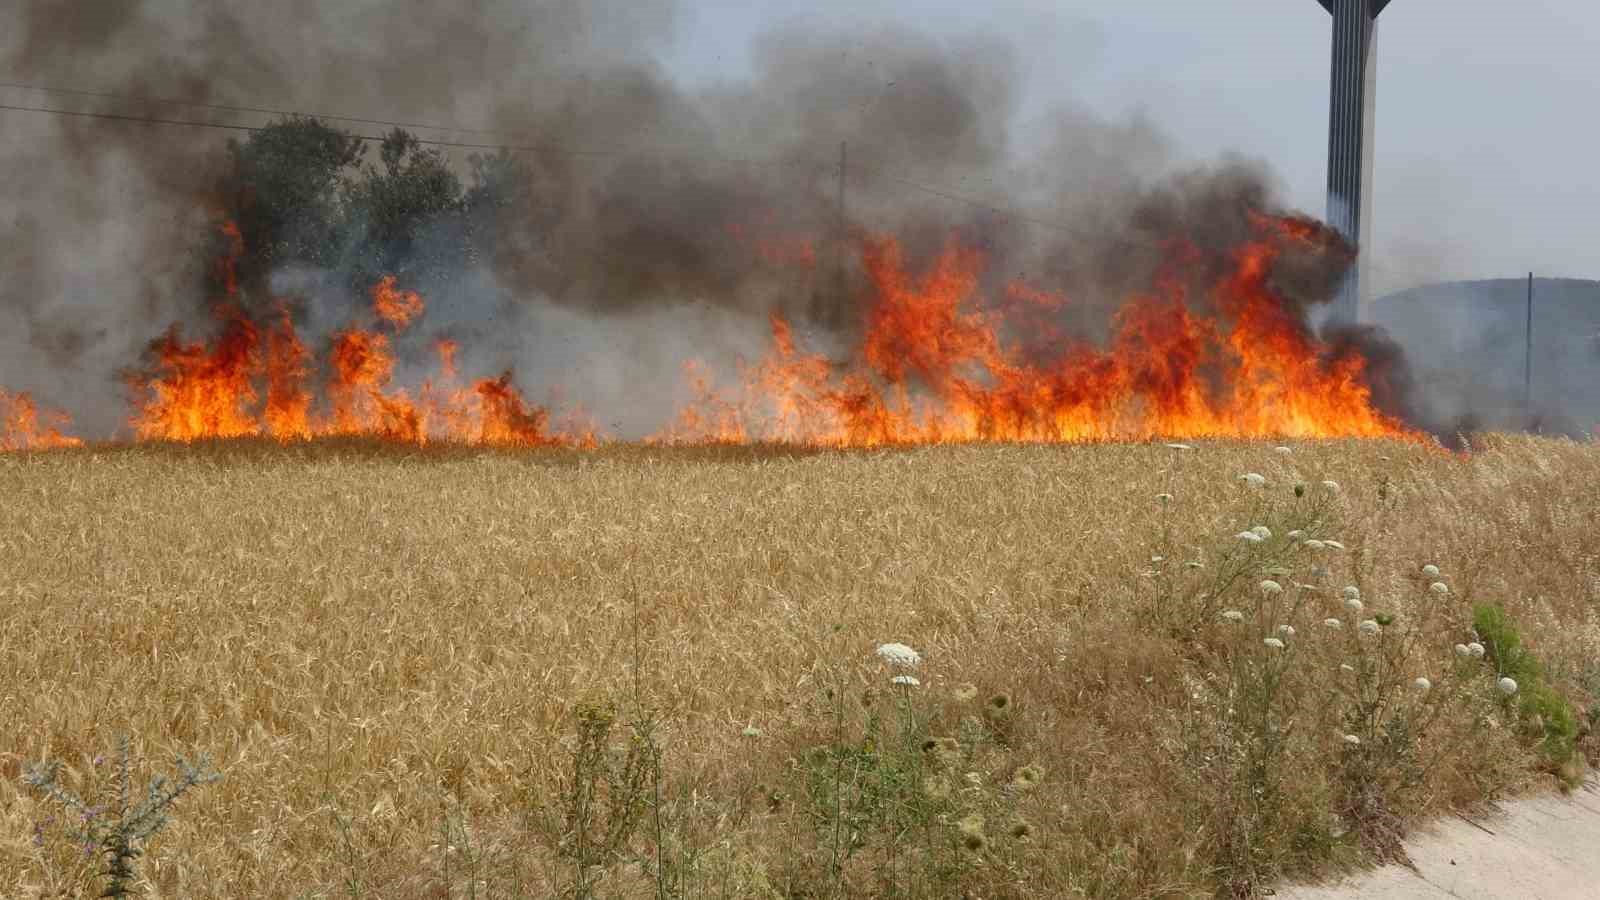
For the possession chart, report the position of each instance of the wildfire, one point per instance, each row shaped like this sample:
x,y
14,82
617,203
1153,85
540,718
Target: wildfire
x,y
24,427
936,362
934,366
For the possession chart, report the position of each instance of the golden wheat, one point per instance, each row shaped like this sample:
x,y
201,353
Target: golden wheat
x,y
399,639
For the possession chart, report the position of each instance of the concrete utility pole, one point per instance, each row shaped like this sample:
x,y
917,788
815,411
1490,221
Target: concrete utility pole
x,y
1350,120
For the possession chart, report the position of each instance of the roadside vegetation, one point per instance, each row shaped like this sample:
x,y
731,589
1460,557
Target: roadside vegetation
x,y
1122,671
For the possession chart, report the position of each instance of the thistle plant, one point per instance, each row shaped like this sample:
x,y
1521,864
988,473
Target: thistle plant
x,y
119,829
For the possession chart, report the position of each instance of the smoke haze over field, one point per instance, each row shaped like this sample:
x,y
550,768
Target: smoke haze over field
x,y
665,190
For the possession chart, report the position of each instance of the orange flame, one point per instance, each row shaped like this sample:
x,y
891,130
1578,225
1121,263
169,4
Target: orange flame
x,y
24,427
933,367
393,305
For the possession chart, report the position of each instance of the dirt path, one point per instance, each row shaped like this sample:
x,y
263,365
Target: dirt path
x,y
1538,848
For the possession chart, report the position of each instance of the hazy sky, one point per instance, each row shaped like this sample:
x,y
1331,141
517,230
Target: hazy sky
x,y
1488,128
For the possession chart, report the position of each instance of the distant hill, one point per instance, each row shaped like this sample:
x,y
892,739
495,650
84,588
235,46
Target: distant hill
x,y
1465,343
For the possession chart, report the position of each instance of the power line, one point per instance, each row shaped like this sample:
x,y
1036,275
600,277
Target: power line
x,y
224,107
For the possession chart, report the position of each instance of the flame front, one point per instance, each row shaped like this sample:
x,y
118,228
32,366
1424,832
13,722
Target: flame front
x,y
933,367
935,362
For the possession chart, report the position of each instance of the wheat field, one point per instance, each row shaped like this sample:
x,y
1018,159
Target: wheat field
x,y
388,655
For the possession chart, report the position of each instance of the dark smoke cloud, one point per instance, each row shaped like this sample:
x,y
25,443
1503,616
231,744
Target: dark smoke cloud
x,y
644,197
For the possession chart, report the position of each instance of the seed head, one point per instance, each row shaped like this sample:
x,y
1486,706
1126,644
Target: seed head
x,y
1507,686
1269,586
1314,544
1263,531
1439,587
1370,626
1028,777
1282,450
1253,479
1250,537
1431,570
1274,643
907,681
1422,684
1233,615
936,787
1476,649
1463,651
1352,604
1020,829
1286,630
1352,740
1333,623
1353,592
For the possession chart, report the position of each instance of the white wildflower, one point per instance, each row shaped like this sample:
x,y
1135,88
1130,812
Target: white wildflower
x,y
1180,447
1268,586
1352,740
906,681
1333,623
1352,592
1314,544
1422,684
1283,450
1296,535
1352,604
1370,626
1332,486
1286,630
1253,479
1439,587
1507,686
1463,651
1334,544
1274,643
899,655
1250,537
1263,531
1233,615
1476,649
1430,570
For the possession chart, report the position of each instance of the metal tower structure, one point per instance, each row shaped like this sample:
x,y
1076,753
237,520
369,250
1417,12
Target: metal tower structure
x,y
1350,120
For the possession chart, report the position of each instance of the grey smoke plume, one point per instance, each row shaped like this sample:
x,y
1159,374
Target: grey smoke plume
x,y
646,199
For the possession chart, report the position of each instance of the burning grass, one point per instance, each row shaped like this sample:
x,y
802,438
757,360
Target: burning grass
x,y
645,671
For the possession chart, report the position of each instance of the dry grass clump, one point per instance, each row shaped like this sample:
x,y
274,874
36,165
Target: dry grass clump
x,y
643,672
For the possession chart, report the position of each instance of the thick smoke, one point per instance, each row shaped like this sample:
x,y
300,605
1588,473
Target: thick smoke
x,y
648,210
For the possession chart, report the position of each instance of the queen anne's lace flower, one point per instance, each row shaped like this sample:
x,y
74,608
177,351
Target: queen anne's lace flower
x,y
1283,450
1333,623
1352,604
899,655
1334,544
1422,684
1296,535
1476,649
1314,544
1253,479
1439,587
1352,740
1353,592
1430,570
1286,630
1233,615
1370,626
1268,586
1508,686
1332,486
1263,531
1250,537
906,681
1463,651
1274,643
